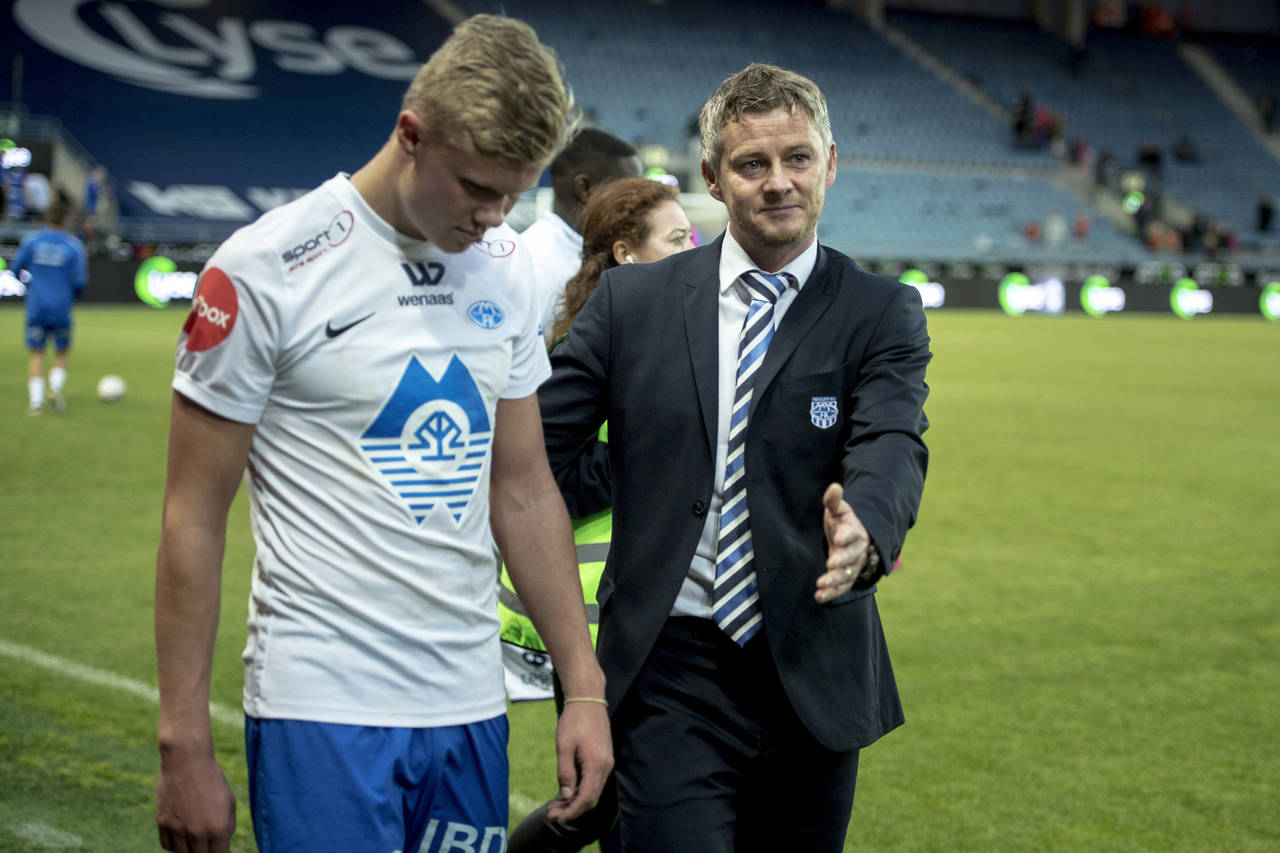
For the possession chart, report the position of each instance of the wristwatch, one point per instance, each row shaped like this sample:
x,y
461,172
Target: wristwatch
x,y
871,571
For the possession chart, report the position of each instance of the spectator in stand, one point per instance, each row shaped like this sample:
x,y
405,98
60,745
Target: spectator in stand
x,y
1106,170
1023,131
1185,150
591,160
1194,238
15,207
1081,227
1266,210
94,186
37,195
1055,228
1267,111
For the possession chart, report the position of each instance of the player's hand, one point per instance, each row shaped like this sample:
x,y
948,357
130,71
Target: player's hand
x,y
584,759
847,544
195,808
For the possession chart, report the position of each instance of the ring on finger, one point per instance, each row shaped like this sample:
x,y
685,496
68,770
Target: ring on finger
x,y
848,573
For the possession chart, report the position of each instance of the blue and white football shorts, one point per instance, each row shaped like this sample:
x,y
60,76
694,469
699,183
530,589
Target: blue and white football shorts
x,y
39,334
364,789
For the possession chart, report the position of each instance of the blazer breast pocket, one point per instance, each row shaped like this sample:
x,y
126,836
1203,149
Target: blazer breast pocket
x,y
812,407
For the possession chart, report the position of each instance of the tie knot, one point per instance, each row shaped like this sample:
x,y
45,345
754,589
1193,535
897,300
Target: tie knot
x,y
764,286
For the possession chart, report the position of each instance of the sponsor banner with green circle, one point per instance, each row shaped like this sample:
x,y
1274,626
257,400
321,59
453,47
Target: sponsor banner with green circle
x,y
1010,287
932,294
1187,299
10,284
1269,301
1098,298
158,280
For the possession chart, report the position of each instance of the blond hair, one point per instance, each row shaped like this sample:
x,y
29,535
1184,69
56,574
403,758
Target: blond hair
x,y
494,80
760,88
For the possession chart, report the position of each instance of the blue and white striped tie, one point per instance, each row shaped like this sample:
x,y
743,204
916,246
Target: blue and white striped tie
x,y
736,596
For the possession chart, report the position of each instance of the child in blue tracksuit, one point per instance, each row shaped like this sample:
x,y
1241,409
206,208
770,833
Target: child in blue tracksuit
x,y
57,270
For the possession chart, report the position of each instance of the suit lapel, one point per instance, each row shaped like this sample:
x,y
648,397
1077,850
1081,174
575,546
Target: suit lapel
x,y
810,304
701,327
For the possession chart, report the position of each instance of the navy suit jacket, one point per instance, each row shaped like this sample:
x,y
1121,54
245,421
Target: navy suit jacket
x,y
642,354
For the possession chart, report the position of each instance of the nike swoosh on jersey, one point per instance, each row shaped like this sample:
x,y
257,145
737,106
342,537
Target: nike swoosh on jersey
x,y
334,332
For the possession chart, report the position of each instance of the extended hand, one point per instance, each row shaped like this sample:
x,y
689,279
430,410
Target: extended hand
x,y
847,544
584,759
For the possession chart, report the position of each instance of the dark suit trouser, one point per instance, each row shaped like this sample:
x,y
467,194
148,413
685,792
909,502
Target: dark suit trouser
x,y
712,759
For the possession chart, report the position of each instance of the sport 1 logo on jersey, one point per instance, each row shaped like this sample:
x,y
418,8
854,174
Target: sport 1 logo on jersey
x,y
431,439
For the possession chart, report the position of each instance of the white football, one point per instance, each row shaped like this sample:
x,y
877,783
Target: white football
x,y
110,388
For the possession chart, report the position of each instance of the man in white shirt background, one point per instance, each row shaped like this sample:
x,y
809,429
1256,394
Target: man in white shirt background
x,y
592,159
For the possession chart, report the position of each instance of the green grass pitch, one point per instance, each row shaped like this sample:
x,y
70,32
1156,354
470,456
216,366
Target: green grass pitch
x,y
1086,629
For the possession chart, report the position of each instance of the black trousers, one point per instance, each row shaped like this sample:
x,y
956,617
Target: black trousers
x,y
712,759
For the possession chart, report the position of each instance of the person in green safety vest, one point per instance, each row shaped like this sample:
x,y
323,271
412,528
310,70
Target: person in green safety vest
x,y
628,221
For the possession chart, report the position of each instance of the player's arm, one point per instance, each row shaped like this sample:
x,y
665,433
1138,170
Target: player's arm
x,y
531,527
886,458
22,259
195,808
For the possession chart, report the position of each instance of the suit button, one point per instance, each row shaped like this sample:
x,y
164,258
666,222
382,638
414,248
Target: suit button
x,y
699,508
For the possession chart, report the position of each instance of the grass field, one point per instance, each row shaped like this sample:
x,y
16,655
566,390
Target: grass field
x,y
1086,630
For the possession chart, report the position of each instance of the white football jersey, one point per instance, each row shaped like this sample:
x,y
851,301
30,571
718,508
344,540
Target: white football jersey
x,y
372,365
556,250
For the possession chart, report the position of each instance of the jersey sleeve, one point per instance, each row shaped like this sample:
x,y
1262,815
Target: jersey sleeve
x,y
530,366
227,351
22,259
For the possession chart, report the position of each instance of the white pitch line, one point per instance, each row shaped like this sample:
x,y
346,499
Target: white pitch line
x,y
517,800
522,802
218,713
43,835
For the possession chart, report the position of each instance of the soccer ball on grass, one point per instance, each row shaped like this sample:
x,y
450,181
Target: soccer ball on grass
x,y
111,388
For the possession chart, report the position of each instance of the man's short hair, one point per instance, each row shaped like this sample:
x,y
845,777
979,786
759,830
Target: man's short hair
x,y
493,79
760,88
590,151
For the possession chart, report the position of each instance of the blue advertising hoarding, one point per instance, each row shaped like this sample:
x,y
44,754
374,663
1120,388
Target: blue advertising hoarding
x,y
216,109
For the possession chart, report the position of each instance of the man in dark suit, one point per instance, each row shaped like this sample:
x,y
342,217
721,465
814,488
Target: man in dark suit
x,y
764,397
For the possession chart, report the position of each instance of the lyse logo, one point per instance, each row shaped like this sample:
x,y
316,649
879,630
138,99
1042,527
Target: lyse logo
x,y
422,274
213,311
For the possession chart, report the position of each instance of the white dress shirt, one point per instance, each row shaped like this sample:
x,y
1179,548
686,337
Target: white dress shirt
x,y
695,598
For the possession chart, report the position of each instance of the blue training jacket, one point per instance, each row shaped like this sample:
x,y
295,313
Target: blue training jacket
x,y
58,269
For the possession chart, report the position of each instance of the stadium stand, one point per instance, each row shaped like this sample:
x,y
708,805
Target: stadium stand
x,y
1128,90
921,112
